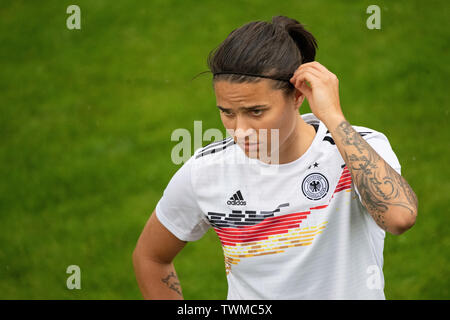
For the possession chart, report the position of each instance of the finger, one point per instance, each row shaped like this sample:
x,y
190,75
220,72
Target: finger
x,y
316,65
327,73
313,77
305,90
325,77
317,73
302,86
309,68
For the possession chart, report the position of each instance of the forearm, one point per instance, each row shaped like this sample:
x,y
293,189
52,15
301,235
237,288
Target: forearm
x,y
385,193
156,280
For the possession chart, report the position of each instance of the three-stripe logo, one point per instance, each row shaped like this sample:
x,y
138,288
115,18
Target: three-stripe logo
x,y
237,199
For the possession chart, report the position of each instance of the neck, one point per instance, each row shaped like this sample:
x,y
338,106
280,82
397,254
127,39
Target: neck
x,y
298,142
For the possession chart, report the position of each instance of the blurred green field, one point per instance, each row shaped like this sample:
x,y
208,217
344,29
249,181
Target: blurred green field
x,y
87,115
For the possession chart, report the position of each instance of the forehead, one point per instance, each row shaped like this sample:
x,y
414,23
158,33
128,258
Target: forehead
x,y
234,93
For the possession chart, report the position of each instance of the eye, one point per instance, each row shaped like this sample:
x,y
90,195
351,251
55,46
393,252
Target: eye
x,y
257,113
226,113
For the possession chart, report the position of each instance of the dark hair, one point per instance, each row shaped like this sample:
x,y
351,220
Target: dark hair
x,y
274,49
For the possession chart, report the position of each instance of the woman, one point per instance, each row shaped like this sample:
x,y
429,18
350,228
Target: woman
x,y
313,228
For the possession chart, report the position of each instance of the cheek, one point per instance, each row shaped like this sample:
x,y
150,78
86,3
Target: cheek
x,y
227,123
284,123
229,126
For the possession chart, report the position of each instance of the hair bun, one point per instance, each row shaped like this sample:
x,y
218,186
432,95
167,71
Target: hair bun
x,y
304,40
283,21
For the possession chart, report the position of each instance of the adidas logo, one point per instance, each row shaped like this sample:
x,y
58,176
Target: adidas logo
x,y
237,199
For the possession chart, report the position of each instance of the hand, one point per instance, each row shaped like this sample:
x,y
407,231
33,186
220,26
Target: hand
x,y
323,94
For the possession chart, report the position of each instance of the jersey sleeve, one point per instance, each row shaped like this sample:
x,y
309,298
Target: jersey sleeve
x,y
178,209
381,145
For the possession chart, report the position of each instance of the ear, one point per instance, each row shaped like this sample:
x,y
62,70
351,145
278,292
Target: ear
x,y
298,99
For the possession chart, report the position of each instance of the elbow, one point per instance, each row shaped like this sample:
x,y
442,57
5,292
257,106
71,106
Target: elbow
x,y
403,222
136,255
138,259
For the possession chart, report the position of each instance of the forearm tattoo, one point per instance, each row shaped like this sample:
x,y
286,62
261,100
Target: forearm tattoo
x,y
172,282
380,186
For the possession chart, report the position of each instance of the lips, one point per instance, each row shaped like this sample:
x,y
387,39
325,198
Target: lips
x,y
247,145
251,146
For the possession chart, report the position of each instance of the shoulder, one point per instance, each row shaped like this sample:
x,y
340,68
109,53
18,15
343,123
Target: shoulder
x,y
367,133
380,143
328,139
364,131
370,135
214,151
199,165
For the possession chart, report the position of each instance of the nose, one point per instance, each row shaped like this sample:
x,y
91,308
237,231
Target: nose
x,y
243,132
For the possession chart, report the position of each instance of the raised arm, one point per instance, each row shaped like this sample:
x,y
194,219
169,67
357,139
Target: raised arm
x,y
152,260
385,193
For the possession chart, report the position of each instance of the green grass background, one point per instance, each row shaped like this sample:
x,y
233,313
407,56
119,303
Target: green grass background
x,y
86,118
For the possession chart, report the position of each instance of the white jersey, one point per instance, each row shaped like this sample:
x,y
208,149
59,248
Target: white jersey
x,y
299,232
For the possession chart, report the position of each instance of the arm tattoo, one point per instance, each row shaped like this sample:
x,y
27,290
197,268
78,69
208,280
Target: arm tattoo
x,y
172,282
380,186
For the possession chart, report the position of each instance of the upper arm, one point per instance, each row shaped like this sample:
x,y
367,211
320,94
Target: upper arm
x,y
157,243
178,209
176,219
380,144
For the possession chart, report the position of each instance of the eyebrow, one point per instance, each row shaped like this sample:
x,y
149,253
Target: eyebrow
x,y
245,108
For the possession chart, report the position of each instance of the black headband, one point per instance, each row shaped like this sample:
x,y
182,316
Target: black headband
x,y
254,75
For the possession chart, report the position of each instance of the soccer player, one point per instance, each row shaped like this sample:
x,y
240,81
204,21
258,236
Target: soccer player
x,y
310,225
